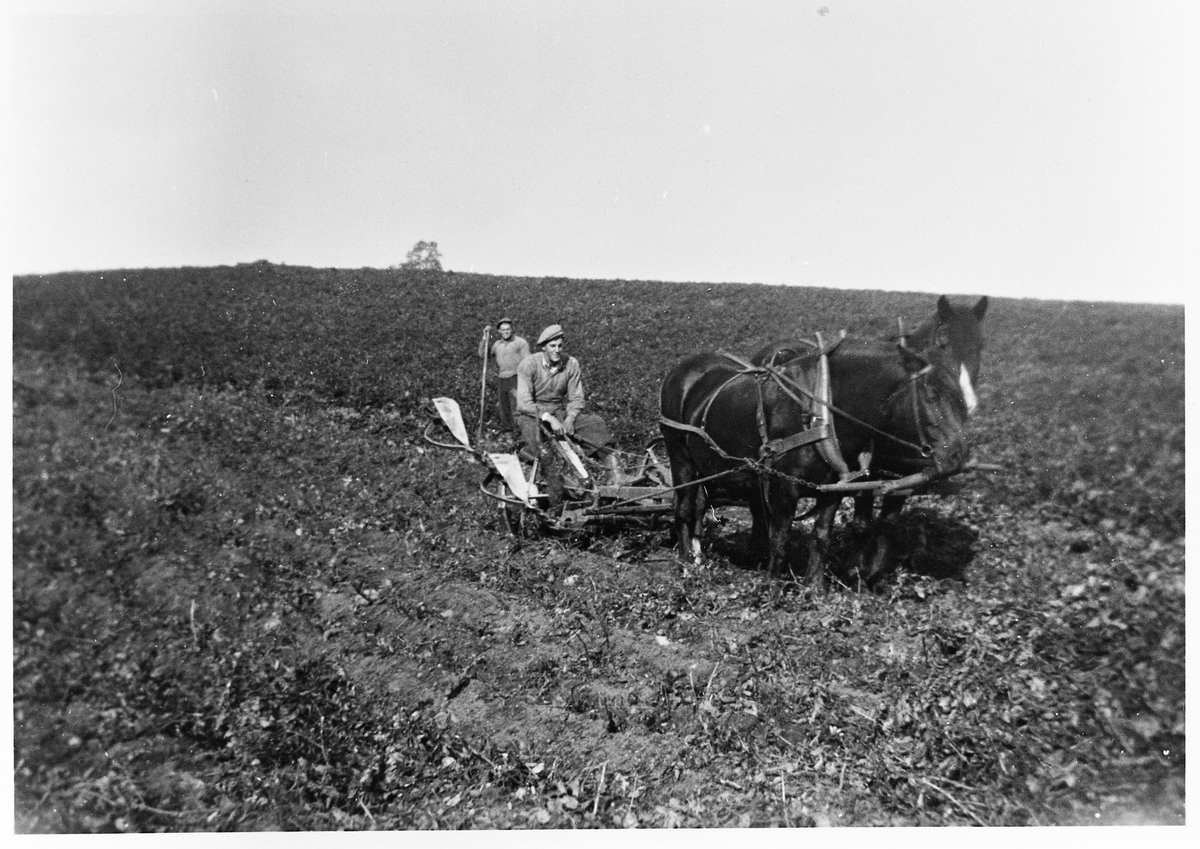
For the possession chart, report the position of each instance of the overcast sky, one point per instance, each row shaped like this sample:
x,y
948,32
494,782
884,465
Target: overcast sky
x,y
1029,149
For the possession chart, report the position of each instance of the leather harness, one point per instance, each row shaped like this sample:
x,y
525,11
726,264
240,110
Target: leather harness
x,y
821,433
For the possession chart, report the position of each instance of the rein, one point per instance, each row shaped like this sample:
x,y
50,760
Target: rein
x,y
786,384
925,448
821,434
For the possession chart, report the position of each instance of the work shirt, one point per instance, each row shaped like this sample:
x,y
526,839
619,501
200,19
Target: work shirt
x,y
508,355
542,388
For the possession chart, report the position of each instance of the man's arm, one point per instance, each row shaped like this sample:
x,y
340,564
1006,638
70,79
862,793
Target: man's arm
x,y
525,375
575,400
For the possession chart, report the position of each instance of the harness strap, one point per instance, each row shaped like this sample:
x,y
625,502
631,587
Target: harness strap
x,y
744,365
773,448
769,448
782,446
701,432
823,434
713,397
818,346
784,382
829,449
754,465
764,482
820,400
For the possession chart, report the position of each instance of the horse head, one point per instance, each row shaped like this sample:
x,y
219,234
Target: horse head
x,y
927,414
953,341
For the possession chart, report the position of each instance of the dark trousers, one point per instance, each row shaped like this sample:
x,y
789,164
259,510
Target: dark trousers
x,y
506,404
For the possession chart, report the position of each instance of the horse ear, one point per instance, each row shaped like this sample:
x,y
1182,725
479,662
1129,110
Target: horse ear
x,y
911,359
980,308
943,307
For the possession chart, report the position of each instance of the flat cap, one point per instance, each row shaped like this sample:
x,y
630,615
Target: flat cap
x,y
505,320
550,334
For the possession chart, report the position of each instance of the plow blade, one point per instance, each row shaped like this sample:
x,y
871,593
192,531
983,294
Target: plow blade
x,y
451,414
509,467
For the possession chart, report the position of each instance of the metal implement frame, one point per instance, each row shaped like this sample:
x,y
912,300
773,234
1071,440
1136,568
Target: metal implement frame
x,y
614,502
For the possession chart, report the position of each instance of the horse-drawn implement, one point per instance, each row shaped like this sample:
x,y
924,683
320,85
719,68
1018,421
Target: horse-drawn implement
x,y
563,489
575,493
763,433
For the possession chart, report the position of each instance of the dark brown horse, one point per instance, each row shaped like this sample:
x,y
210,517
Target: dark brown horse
x,y
952,340
719,413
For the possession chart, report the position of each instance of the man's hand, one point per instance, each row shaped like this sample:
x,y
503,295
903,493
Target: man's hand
x,y
556,427
569,425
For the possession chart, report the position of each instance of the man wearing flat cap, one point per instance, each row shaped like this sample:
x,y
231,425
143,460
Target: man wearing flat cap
x,y
550,390
508,352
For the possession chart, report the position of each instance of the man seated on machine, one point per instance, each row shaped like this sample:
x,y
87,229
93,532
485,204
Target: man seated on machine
x,y
550,390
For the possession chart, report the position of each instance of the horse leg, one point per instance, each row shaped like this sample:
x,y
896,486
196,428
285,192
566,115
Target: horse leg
x,y
880,546
697,529
864,517
760,531
864,509
780,507
687,517
818,545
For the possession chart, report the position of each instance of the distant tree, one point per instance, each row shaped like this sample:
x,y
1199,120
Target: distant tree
x,y
424,256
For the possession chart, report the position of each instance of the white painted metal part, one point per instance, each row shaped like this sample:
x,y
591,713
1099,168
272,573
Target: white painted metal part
x,y
509,467
451,414
574,458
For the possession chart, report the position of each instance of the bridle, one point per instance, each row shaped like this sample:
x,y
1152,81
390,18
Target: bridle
x,y
911,383
763,464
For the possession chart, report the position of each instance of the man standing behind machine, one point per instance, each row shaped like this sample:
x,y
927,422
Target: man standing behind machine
x,y
508,351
